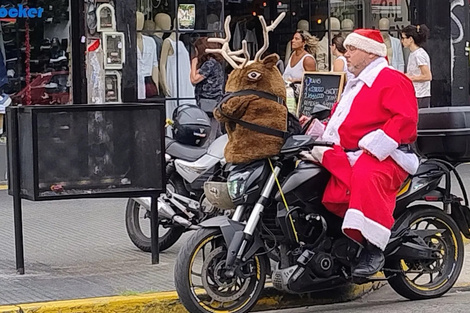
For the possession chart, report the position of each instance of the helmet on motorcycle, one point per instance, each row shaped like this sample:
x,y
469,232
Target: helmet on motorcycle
x,y
191,125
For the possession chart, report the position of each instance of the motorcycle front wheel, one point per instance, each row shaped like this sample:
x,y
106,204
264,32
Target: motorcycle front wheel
x,y
426,279
201,281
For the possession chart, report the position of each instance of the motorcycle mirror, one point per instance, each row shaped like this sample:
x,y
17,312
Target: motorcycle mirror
x,y
320,112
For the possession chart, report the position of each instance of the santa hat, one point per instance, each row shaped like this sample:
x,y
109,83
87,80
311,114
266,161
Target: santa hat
x,y
368,40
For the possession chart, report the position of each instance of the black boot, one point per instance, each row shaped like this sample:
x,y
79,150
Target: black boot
x,y
371,261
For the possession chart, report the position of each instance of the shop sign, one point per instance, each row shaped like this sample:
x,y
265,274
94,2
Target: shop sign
x,y
386,7
21,11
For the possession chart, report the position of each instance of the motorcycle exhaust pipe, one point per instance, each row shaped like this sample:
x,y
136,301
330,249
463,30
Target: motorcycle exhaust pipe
x,y
167,212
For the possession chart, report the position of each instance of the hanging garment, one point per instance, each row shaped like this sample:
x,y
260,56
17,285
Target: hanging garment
x,y
178,70
159,43
398,61
146,61
251,41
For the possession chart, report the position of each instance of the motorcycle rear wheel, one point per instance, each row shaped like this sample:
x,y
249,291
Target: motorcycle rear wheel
x,y
412,281
167,236
200,281
170,234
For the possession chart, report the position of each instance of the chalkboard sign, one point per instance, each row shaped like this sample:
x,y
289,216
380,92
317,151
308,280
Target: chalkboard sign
x,y
319,88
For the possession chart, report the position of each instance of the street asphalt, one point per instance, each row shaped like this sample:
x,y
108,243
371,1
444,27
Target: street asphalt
x,y
80,249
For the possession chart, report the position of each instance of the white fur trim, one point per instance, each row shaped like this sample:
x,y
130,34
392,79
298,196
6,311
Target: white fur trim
x,y
378,143
407,161
373,232
366,44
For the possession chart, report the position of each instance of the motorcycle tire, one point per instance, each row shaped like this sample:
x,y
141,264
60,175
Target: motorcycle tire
x,y
449,269
134,230
221,294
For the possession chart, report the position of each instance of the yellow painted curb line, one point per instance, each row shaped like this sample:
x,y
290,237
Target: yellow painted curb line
x,y
3,187
167,302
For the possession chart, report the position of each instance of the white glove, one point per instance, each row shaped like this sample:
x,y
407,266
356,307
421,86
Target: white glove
x,y
316,155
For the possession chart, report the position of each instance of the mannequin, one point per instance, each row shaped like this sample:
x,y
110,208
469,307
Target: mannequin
x,y
162,22
301,25
347,26
175,68
213,22
325,59
147,63
150,26
394,48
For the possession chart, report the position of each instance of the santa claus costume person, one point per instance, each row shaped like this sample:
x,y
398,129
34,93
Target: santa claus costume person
x,y
372,126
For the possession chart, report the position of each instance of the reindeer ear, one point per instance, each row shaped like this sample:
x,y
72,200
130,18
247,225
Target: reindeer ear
x,y
271,60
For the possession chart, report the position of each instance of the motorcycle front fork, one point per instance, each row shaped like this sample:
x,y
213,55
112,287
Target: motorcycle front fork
x,y
240,241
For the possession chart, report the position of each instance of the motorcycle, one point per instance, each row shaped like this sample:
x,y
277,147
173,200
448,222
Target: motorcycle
x,y
183,206
223,266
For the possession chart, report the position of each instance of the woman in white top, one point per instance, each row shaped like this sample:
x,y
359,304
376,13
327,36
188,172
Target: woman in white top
x,y
419,64
304,47
338,50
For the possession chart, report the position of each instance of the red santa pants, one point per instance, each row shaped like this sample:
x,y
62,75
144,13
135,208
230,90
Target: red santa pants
x,y
364,194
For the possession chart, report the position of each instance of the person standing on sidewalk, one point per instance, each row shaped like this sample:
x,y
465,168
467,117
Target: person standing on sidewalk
x,y
207,75
419,65
338,50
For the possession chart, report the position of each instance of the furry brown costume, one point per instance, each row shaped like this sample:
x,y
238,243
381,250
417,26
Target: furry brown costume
x,y
245,145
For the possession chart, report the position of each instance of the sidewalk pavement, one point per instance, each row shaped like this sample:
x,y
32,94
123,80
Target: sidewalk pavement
x,y
80,250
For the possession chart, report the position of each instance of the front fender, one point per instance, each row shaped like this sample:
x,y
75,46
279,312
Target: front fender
x,y
227,226
233,237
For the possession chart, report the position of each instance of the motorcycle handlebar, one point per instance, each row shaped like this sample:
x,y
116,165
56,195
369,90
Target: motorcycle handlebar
x,y
323,143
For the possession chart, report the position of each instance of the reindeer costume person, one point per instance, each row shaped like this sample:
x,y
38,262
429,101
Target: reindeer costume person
x,y
254,112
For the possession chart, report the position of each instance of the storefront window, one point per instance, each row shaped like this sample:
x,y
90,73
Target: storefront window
x,y
35,51
166,33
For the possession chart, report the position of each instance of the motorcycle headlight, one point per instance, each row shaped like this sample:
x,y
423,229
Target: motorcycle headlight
x,y
237,184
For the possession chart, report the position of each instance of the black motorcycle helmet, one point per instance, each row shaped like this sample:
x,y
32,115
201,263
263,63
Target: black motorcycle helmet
x,y
191,125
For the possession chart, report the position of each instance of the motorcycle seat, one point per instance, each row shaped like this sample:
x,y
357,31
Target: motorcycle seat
x,y
183,152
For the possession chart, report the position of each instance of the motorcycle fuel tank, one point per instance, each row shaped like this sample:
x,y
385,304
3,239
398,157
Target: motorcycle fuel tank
x,y
305,184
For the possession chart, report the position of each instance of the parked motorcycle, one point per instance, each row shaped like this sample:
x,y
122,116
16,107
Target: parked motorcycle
x,y
223,266
183,206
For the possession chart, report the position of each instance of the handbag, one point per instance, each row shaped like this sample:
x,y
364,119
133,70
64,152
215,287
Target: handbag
x,y
208,105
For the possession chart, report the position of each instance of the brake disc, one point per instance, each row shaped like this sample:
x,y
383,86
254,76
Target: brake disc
x,y
217,257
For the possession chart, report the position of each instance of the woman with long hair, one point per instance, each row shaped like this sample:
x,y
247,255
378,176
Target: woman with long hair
x,y
419,64
338,50
207,75
304,47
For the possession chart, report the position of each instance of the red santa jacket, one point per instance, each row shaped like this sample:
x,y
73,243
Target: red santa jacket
x,y
378,111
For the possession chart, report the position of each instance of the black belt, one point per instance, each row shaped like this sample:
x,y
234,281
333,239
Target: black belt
x,y
403,147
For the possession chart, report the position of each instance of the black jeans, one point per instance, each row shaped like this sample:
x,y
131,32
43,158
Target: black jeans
x,y
424,102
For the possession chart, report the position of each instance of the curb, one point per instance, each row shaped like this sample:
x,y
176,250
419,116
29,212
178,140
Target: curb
x,y
167,302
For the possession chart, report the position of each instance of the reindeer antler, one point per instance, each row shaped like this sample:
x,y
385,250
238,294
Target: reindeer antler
x,y
230,56
266,30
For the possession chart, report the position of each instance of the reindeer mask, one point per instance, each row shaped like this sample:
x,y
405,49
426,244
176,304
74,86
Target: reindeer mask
x,y
258,77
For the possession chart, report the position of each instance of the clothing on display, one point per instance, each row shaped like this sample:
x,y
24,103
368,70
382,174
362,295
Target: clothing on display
x,y
398,61
159,43
178,70
146,61
95,68
243,33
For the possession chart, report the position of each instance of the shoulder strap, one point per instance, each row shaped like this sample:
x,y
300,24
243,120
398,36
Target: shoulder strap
x,y
249,92
254,127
